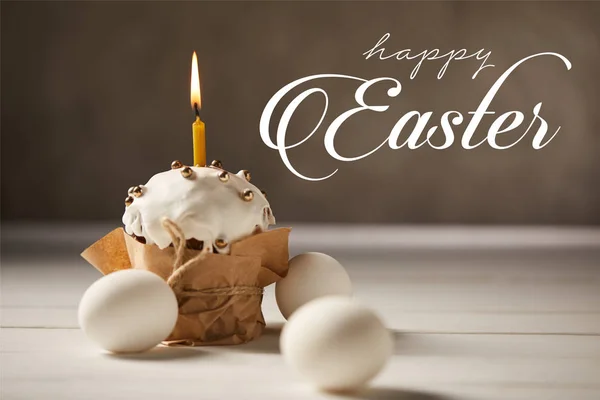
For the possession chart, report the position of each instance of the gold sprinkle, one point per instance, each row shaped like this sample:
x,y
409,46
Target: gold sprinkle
x,y
246,174
187,172
223,176
137,191
128,201
216,164
176,164
221,243
247,195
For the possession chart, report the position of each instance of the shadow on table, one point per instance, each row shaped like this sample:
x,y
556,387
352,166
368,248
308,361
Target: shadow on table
x,y
267,343
161,354
388,393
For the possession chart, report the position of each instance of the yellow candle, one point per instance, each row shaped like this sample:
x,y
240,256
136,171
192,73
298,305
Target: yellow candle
x,y
199,142
198,127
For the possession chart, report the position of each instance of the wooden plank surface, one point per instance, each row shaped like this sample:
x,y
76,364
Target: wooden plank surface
x,y
491,323
61,364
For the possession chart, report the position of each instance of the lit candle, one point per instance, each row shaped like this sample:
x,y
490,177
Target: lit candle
x,y
198,125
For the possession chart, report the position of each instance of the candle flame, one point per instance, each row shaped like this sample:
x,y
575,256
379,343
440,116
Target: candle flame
x,y
195,97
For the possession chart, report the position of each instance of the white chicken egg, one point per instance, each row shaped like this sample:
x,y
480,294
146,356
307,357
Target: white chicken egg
x,y
335,343
310,276
128,311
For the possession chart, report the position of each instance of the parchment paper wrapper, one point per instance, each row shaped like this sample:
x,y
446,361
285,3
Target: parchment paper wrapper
x,y
219,296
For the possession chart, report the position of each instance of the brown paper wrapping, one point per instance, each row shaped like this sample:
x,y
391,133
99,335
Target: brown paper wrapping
x,y
219,296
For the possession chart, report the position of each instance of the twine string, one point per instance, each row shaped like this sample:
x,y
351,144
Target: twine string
x,y
179,268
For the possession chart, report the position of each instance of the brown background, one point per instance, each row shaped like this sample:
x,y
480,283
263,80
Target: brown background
x,y
95,98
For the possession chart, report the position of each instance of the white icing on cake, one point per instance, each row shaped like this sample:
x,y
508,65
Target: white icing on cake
x,y
203,206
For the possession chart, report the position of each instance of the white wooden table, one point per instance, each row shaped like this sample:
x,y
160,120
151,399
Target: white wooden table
x,y
476,314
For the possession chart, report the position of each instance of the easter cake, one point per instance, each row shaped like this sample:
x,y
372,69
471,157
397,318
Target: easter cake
x,y
205,231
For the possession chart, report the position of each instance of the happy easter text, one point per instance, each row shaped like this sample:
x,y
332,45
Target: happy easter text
x,y
503,123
